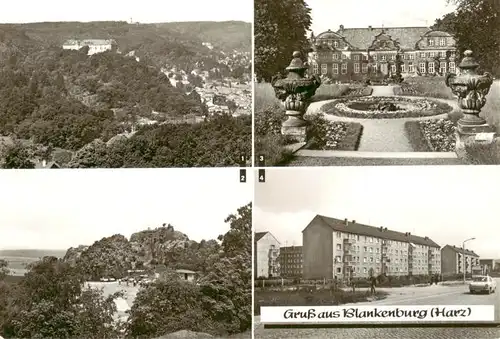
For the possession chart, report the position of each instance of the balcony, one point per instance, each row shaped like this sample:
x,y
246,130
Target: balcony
x,y
349,241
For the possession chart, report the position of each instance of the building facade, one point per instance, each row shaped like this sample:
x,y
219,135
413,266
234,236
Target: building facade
x,y
290,260
452,261
95,45
487,265
357,53
343,249
266,253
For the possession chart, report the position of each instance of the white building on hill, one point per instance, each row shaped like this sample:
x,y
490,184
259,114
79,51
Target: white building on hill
x,y
95,45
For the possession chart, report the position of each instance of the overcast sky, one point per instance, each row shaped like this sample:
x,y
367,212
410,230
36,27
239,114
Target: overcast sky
x,y
447,204
145,11
330,14
58,209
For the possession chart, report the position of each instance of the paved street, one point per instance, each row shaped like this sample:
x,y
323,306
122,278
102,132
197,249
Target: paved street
x,y
428,295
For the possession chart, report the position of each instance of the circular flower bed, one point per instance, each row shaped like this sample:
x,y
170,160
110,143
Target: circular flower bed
x,y
401,107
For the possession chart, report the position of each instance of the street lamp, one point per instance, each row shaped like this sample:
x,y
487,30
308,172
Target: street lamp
x,y
463,255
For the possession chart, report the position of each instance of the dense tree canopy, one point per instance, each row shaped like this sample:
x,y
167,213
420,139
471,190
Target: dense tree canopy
x,y
280,29
51,302
476,26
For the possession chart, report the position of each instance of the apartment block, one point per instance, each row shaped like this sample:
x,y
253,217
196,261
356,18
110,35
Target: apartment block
x,y
452,261
343,249
266,253
291,261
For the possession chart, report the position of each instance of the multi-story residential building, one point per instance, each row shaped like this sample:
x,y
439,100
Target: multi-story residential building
x,y
95,45
452,261
334,248
355,53
487,265
266,252
290,260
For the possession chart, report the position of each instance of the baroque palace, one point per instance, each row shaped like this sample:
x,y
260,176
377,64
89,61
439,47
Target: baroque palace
x,y
357,53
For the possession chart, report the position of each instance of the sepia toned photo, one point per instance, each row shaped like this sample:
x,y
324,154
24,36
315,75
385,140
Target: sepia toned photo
x,y
416,237
385,83
135,254
118,84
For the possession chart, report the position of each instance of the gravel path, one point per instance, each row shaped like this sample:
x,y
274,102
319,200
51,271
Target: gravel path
x,y
381,135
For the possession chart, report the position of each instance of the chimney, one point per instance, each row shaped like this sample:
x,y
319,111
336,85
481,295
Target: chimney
x,y
346,222
381,229
354,221
386,228
341,29
370,28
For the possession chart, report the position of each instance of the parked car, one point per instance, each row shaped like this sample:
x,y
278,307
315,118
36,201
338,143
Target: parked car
x,y
482,283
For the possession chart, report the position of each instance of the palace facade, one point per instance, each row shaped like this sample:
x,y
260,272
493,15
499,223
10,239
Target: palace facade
x,y
356,53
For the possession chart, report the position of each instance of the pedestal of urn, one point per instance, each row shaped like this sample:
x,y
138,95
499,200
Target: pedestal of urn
x,y
295,127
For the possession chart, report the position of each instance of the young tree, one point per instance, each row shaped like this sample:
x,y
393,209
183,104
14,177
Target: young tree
x,y
280,29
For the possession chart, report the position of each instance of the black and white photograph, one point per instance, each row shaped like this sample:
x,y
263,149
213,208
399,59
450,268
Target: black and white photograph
x,y
125,254
126,84
363,83
377,236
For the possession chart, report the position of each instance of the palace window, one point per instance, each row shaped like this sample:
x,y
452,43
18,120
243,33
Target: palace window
x,y
315,68
336,43
375,69
364,68
324,69
365,56
344,68
374,56
442,54
335,68
344,56
339,247
431,42
422,54
422,67
432,54
383,57
405,56
393,68
442,67
431,67
356,68
412,56
452,67
356,57
452,54
393,57
442,42
335,56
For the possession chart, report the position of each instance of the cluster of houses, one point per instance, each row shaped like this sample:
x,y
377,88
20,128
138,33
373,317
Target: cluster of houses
x,y
142,277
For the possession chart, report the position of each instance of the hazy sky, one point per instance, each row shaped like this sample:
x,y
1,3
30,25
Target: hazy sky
x,y
58,209
145,11
447,204
330,14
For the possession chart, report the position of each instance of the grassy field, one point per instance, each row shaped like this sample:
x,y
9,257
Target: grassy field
x,y
319,297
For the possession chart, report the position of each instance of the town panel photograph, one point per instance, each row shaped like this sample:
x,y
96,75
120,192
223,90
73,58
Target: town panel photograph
x,y
418,235
135,255
377,83
126,84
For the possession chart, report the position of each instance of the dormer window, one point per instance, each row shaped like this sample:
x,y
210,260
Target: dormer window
x,y
335,43
431,42
442,42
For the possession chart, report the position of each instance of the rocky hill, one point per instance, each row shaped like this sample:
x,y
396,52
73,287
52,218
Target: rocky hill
x,y
113,256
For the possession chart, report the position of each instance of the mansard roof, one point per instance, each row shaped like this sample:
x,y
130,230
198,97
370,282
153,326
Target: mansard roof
x,y
329,35
362,38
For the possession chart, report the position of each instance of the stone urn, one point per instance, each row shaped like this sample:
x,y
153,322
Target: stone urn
x,y
295,91
471,89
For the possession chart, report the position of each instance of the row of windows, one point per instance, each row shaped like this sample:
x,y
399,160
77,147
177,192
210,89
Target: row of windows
x,y
423,68
382,57
388,269
430,42
371,259
292,261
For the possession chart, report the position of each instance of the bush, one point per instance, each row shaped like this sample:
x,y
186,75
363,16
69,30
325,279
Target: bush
x,y
483,153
